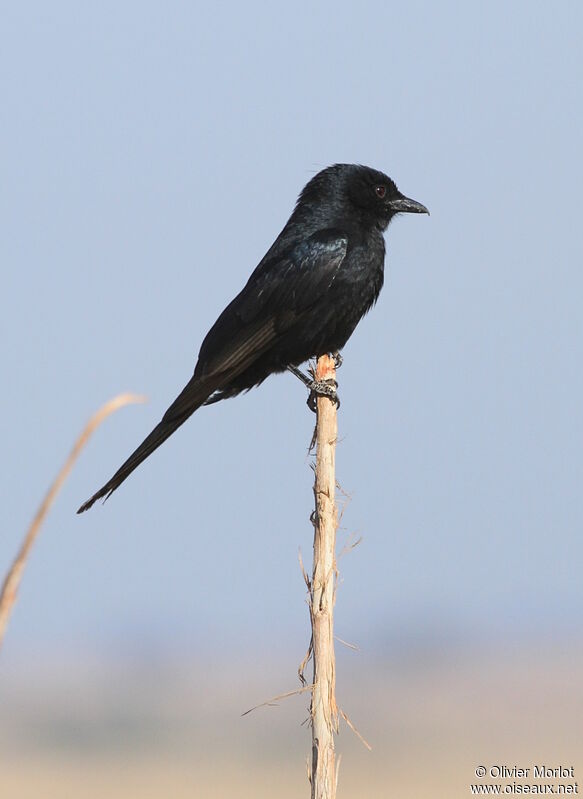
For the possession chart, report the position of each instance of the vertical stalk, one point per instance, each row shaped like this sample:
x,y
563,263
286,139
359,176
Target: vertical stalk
x,y
323,710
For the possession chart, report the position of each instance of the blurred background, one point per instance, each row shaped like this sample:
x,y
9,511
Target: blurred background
x,y
151,154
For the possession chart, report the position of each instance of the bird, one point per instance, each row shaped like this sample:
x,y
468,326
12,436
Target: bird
x,y
321,275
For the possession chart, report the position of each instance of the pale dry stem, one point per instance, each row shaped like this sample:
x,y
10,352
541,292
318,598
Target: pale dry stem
x,y
14,576
274,699
354,730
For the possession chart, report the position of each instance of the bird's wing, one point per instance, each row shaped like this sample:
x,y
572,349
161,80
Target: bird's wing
x,y
279,291
276,295
296,280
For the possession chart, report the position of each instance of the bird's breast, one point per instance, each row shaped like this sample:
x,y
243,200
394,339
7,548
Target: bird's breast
x,y
354,290
362,273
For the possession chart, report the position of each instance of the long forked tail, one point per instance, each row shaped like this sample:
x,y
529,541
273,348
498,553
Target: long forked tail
x,y
192,397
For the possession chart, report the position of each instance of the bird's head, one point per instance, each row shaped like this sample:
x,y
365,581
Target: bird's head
x,y
377,196
351,188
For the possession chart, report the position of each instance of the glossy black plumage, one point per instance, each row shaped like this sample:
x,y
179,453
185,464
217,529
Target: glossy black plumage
x,y
322,274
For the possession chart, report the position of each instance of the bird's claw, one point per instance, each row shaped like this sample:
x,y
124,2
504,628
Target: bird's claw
x,y
317,388
323,388
338,359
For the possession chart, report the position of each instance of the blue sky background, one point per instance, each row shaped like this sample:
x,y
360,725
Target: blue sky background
x,y
151,154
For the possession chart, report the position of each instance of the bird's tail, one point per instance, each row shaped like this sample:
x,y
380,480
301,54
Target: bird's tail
x,y
192,397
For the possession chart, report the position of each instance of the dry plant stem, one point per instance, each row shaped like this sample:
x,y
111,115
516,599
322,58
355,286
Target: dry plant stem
x,y
14,576
323,710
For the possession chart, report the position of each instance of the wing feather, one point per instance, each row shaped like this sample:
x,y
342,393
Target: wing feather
x,y
277,294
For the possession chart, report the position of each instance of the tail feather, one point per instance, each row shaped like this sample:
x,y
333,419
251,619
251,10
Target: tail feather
x,y
191,398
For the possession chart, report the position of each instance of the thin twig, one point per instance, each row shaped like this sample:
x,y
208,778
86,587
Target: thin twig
x,y
305,661
354,730
349,546
271,702
304,572
347,644
14,576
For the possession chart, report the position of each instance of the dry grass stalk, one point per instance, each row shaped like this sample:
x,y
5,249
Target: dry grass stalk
x,y
323,709
14,576
275,699
355,731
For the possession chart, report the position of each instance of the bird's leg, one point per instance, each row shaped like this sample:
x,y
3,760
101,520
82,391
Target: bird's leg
x,y
306,380
318,388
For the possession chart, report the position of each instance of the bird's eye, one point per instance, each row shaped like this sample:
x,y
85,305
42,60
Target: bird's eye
x,y
380,191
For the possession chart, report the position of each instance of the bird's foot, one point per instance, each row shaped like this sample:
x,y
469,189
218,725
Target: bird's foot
x,y
338,359
318,388
323,388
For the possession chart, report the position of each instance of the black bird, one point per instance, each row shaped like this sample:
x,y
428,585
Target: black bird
x,y
321,275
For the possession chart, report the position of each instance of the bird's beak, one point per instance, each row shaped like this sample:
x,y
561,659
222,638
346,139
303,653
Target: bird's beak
x,y
403,205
